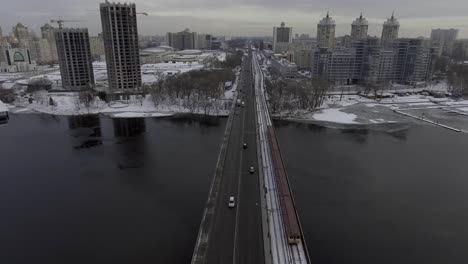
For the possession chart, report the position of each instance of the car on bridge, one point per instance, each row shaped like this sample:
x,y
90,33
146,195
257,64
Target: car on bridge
x,y
244,146
232,202
252,170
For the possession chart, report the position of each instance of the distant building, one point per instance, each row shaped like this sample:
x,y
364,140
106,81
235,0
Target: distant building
x,y
284,67
97,47
373,64
326,33
154,55
390,30
204,41
47,32
359,28
1,36
182,40
413,61
17,60
344,41
333,65
443,40
282,37
303,59
120,34
42,51
74,52
460,49
21,32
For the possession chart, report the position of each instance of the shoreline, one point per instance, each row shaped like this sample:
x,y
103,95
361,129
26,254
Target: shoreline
x,y
391,126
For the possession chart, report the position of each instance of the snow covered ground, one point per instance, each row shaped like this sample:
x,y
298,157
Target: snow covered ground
x,y
354,109
3,107
335,115
68,103
150,72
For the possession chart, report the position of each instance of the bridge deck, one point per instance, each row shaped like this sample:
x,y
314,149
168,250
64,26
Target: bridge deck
x,y
235,235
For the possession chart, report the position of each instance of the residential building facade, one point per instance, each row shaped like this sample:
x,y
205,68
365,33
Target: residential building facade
x,y
75,60
47,32
282,37
390,30
182,40
120,35
413,61
359,28
443,40
97,47
326,33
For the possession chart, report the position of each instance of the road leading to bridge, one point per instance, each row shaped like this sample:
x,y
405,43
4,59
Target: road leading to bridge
x,y
234,235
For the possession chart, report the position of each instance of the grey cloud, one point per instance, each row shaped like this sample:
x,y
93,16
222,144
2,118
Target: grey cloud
x,y
201,15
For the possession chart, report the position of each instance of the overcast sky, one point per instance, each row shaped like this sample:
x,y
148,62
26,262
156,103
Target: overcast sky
x,y
246,17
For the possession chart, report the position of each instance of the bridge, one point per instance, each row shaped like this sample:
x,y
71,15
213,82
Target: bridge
x,y
263,226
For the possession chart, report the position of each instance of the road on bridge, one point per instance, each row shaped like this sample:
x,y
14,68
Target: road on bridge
x,y
236,235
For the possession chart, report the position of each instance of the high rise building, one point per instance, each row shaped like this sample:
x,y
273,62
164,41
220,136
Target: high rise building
x,y
326,33
21,32
74,56
413,61
97,46
47,32
282,37
182,40
333,65
390,30
1,36
359,28
443,40
120,34
42,51
373,64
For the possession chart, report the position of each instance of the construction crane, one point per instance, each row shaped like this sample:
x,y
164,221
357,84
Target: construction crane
x,y
142,13
60,21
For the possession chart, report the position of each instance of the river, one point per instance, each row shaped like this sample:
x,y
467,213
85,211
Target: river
x,y
373,197
101,190
97,190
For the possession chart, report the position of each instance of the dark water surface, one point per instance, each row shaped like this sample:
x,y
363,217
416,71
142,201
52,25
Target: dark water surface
x,y
97,190
372,197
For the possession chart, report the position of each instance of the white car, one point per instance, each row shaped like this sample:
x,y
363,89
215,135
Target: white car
x,y
232,202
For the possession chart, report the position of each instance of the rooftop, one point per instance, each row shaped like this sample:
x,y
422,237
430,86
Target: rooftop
x,y
189,52
360,21
327,20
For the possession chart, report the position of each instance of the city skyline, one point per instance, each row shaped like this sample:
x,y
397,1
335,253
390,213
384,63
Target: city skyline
x,y
251,19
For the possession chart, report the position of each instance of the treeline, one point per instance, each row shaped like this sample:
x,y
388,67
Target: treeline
x,y
232,60
195,89
306,94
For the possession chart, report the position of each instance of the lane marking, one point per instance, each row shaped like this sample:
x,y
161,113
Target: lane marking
x,y
238,188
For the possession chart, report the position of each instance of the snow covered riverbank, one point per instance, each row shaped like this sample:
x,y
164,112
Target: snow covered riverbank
x,y
355,112
68,103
